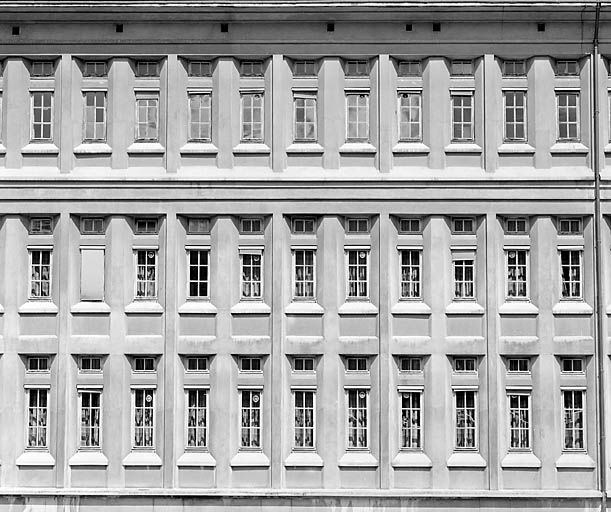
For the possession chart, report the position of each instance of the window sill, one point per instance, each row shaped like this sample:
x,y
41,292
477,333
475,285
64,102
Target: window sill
x,y
252,148
464,308
146,148
304,308
249,460
142,459
144,306
412,460
305,147
568,147
358,307
406,307
518,308
199,148
304,460
197,307
520,460
38,307
90,307
567,307
575,461
35,458
516,148
40,148
357,147
411,147
93,148
466,460
196,460
358,460
251,308
88,458
463,147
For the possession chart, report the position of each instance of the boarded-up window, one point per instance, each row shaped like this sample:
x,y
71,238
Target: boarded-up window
x,y
92,273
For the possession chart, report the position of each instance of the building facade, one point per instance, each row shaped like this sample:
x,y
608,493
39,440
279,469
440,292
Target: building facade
x,y
297,256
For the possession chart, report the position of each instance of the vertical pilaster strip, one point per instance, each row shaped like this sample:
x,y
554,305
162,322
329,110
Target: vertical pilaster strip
x,y
63,110
173,98
332,108
225,122
278,94
436,108
541,90
16,98
121,115
386,113
493,113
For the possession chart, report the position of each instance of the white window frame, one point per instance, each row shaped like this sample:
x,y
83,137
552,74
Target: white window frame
x,y
133,391
95,108
252,252
400,107
579,251
80,392
514,122
294,391
584,419
49,249
410,283
475,391
252,139
517,250
471,122
155,296
190,95
28,390
146,96
42,124
206,391
366,137
465,257
410,390
367,251
518,372
197,249
251,389
305,96
577,137
519,392
294,282
358,390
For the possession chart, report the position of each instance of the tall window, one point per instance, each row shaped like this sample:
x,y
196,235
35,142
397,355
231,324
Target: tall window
x,y
517,281
252,117
466,419
568,115
305,117
515,115
197,418
144,418
357,117
410,273
304,419
147,118
199,117
146,274
38,414
358,273
252,275
573,422
90,406
464,279
358,426
570,264
410,116
462,117
251,419
519,421
42,116
198,273
95,115
411,420
40,273
304,273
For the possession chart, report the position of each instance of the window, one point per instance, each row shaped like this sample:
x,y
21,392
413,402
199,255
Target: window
x,y
199,117
303,402
462,117
357,68
570,266
411,267
516,226
144,418
147,118
92,273
568,116
40,273
38,364
146,226
567,68
411,420
572,365
357,118
251,68
251,226
198,226
91,418
144,364
518,365
42,116
519,421
304,225
515,115
573,409
464,279
251,419
305,118
147,69
517,268
304,264
410,364
198,273
356,364
92,225
303,364
252,117
465,365
38,417
463,226
358,273
250,364
461,68
466,419
42,69
409,68
570,226
252,275
95,69
358,431
514,68
95,116
410,226
197,418
304,68
197,364
90,364
146,274
357,225
199,68
41,226
410,116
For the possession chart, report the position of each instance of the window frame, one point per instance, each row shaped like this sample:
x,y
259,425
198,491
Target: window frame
x,y
95,107
519,372
473,283
99,392
517,297
294,446
475,392
305,96
462,140
411,371
506,138
519,392
400,107
49,139
504,72
251,390
358,390
567,92
261,282
580,252
146,96
252,139
367,250
358,139
304,281
198,282
153,390
190,136
47,391
145,297
197,448
584,411
197,371
410,283
90,371
420,427
515,232
32,297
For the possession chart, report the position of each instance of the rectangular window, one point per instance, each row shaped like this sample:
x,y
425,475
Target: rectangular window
x,y
516,226
252,117
411,268
42,116
572,365
38,364
518,365
199,273
519,421
92,225
94,116
197,418
41,226
410,364
304,68
570,226
462,117
466,419
250,364
567,68
461,68
303,364
410,116
252,275
42,69
514,68
465,365
144,364
410,226
304,225
251,418
568,116
303,402
147,118
463,225
92,273
357,415
91,418
197,364
409,68
358,273
357,68
517,277
38,417
90,364
305,118
515,115
305,267
199,68
95,69
146,274
144,418
356,364
357,225
198,226
200,117
573,409
146,226
40,274
251,226
251,68
464,279
147,69
357,117
570,266
411,420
